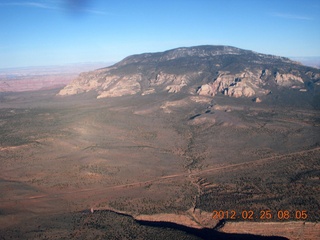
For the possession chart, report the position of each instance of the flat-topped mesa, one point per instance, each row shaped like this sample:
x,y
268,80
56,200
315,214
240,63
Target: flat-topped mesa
x,y
201,70
201,51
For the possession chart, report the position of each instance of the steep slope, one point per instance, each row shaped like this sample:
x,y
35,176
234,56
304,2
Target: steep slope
x,y
201,70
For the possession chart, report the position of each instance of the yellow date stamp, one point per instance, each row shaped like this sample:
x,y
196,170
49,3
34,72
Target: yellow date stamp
x,y
265,214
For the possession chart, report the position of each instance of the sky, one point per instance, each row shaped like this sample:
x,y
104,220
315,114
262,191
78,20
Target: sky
x,y
58,32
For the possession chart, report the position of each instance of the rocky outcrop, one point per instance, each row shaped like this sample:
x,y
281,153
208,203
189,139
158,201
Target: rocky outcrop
x,y
287,79
257,100
84,83
115,87
203,70
105,85
173,83
244,84
313,75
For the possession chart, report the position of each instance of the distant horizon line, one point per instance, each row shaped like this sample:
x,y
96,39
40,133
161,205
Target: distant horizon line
x,y
62,65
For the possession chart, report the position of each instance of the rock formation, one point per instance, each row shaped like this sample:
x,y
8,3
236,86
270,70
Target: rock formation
x,y
202,70
288,79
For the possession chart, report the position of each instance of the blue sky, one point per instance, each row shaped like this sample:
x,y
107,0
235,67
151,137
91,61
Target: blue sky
x,y
51,32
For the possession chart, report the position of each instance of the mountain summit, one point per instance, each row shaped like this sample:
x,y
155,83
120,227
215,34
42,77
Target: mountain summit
x,y
200,70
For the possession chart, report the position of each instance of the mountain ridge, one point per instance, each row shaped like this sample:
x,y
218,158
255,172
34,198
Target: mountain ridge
x,y
200,70
196,51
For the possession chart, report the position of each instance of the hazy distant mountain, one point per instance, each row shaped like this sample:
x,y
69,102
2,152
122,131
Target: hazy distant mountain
x,y
308,61
200,70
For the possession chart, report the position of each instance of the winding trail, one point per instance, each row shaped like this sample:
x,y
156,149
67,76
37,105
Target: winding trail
x,y
184,174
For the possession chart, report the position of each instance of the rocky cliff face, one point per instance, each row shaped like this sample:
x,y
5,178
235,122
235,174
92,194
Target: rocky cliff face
x,y
202,70
245,84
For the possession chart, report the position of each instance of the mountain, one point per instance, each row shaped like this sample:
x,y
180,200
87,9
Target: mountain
x,y
200,70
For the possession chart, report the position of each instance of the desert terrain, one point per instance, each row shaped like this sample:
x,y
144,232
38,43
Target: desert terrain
x,y
111,157
61,157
